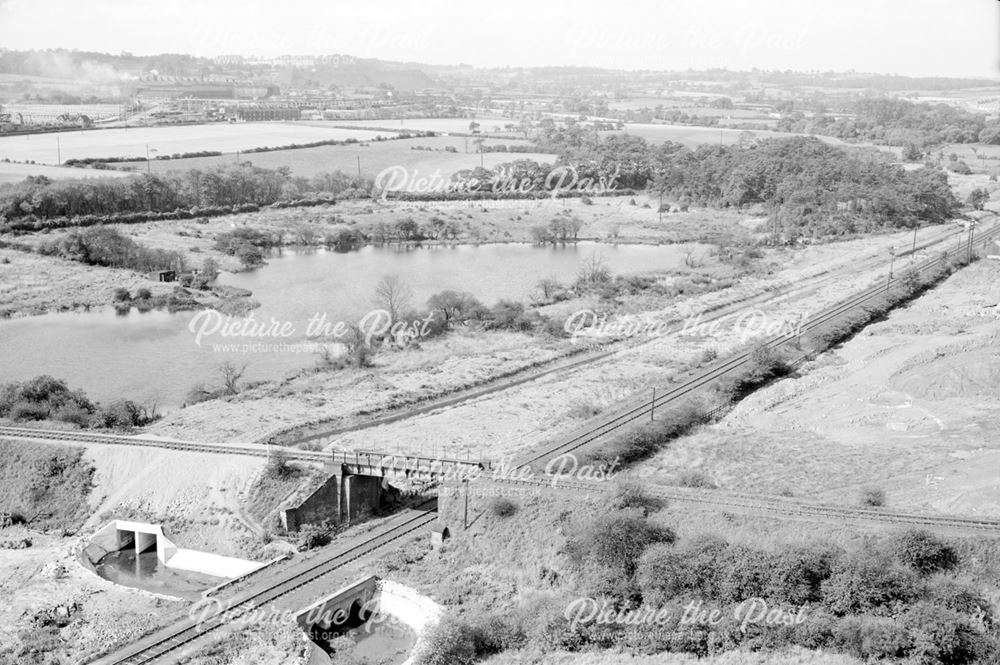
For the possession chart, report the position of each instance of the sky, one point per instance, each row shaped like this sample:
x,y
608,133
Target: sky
x,y
910,37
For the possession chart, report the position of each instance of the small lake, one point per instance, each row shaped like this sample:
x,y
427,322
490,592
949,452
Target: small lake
x,y
154,356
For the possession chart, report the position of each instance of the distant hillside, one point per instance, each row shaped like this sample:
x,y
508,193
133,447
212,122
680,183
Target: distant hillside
x,y
358,74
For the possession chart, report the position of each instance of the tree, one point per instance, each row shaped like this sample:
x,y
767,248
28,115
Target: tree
x,y
454,305
393,295
911,153
230,375
978,198
249,255
593,271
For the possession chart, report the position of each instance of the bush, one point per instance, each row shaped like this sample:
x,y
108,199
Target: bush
x,y
633,495
502,507
632,446
278,466
608,548
122,415
40,398
940,635
797,574
873,497
746,574
923,552
695,479
448,643
510,315
121,295
868,582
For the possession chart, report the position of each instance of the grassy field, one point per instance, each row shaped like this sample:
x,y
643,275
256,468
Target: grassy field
x,y
373,158
133,142
45,485
13,172
692,137
487,124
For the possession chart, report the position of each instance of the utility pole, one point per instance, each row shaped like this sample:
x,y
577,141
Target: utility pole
x,y
972,235
652,405
914,250
147,159
465,518
892,259
359,166
58,151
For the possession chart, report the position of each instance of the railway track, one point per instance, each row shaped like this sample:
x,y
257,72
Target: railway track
x,y
159,644
644,407
781,506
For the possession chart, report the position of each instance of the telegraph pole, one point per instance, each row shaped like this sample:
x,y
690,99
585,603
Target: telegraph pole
x,y
892,259
58,151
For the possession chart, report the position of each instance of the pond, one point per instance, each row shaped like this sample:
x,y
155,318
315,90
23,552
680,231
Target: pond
x,y
144,571
158,357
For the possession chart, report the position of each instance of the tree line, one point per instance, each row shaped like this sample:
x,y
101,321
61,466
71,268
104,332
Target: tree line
x,y
225,186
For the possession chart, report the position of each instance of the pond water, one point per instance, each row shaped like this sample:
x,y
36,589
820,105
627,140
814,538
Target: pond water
x,y
157,357
381,640
144,571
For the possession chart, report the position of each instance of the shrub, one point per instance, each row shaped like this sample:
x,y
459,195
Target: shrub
x,y
797,574
613,544
450,642
868,582
510,315
940,635
947,593
633,495
873,497
502,507
312,536
121,295
923,552
278,466
123,414
695,479
746,574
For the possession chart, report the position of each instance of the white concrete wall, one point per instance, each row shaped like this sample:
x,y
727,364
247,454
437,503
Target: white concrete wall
x,y
144,541
415,610
168,553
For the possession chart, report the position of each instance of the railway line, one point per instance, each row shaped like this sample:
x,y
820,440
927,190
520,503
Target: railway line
x,y
164,642
779,506
644,407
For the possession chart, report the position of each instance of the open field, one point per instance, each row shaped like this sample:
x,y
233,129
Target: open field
x,y
692,137
132,142
372,157
16,172
908,406
487,124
